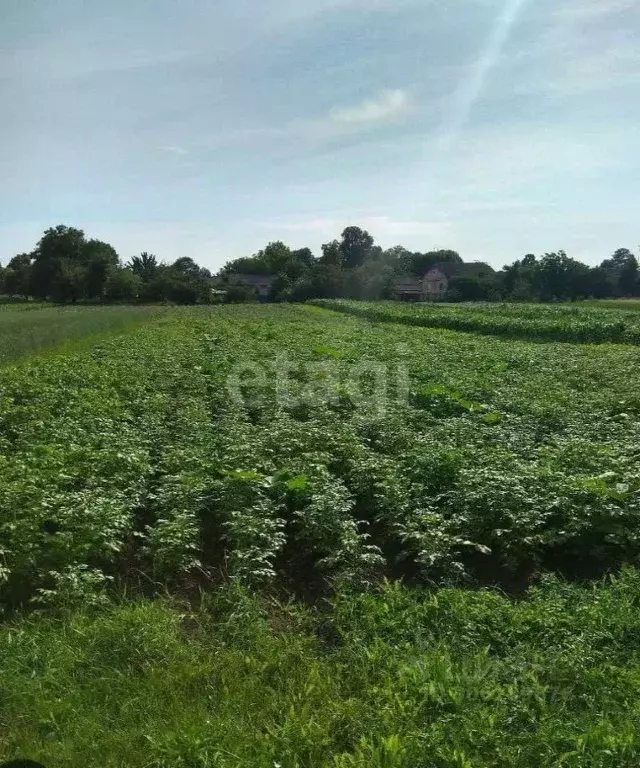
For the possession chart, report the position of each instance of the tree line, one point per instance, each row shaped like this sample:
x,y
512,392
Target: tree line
x,y
67,267
355,267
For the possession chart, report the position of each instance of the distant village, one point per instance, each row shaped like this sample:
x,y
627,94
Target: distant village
x,y
433,285
68,267
356,267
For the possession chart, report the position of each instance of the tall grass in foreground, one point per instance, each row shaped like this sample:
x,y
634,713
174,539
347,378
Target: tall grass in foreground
x,y
449,678
28,328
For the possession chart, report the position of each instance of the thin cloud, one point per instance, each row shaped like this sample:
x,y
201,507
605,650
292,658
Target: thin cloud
x,y
471,88
175,150
593,9
386,106
592,46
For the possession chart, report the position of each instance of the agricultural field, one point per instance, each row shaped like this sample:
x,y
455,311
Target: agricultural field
x,y
630,305
31,327
583,322
281,535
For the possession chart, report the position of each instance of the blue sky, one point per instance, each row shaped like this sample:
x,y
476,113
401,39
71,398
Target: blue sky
x,y
207,128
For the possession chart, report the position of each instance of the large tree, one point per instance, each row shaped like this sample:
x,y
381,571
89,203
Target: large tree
x,y
355,246
421,263
123,285
67,267
17,276
57,263
331,254
145,266
560,277
622,269
100,260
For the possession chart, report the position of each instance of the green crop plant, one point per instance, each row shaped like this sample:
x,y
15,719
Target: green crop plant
x,y
247,535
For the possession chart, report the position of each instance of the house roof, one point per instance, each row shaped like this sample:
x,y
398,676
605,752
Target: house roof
x,y
251,279
408,280
456,268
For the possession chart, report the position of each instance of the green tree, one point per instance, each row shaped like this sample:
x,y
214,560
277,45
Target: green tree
x,y
323,281
276,256
158,288
58,261
622,269
331,254
68,282
189,283
599,284
123,285
303,256
476,282
100,259
145,266
17,276
246,265
400,259
287,268
373,279
186,266
240,293
421,263
355,247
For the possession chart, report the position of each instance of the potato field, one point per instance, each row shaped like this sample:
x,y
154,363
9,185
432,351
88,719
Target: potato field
x,y
283,535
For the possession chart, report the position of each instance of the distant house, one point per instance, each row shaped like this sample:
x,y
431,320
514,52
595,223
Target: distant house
x,y
432,286
435,284
217,296
436,281
408,288
261,283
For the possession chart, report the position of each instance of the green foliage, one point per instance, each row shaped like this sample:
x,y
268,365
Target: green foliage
x,y
501,458
122,285
65,267
355,247
420,263
240,294
16,279
555,276
145,463
396,678
144,266
560,322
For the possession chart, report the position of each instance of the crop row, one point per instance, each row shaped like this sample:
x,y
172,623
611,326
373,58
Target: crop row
x,y
295,444
527,321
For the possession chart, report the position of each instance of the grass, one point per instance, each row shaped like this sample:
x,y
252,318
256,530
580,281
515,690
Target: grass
x,y
398,678
27,329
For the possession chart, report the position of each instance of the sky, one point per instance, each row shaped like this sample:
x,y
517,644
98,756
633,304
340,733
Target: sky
x,y
208,128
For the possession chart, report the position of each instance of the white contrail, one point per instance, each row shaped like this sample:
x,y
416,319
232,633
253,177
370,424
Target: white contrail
x,y
470,89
